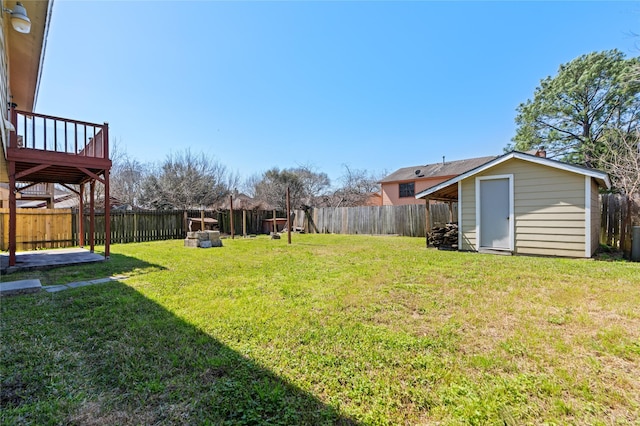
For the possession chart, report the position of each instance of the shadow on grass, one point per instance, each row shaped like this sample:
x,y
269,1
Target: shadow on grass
x,y
108,355
118,264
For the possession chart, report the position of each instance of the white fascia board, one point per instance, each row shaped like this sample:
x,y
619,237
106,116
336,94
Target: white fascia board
x,y
603,177
564,166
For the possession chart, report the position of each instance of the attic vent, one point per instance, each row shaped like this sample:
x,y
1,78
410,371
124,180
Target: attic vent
x,y
417,172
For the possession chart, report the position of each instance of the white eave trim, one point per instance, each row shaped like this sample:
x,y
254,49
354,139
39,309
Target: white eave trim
x,y
525,157
47,24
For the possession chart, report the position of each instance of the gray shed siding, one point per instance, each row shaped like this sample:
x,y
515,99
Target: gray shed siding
x,y
549,209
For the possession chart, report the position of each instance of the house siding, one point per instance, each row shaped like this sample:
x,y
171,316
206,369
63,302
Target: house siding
x,y
391,190
468,231
549,209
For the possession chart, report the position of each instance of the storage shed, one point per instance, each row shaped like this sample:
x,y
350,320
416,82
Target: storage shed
x,y
525,204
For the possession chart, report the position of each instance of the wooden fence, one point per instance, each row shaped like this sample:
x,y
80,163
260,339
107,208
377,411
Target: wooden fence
x,y
157,225
619,214
409,220
40,228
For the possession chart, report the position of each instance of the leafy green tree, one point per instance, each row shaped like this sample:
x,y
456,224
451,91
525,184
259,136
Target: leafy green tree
x,y
571,112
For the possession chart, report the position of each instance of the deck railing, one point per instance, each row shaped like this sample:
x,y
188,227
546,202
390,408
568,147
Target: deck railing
x,y
57,134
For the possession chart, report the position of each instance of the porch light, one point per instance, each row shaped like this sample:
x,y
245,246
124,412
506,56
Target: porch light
x,y
19,19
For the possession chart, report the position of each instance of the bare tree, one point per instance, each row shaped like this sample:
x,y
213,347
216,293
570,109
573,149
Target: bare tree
x,y
315,184
621,159
187,180
249,185
358,185
127,177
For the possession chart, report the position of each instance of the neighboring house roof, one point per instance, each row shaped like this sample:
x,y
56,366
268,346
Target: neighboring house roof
x,y
244,202
62,198
601,177
375,199
62,201
449,168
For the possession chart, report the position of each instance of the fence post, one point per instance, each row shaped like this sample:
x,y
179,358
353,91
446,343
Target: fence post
x,y
604,205
231,216
244,223
288,217
625,232
275,227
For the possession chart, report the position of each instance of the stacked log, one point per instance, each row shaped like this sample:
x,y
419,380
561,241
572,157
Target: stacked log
x,y
444,238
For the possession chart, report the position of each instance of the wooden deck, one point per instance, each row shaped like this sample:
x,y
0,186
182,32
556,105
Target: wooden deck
x,y
57,150
49,149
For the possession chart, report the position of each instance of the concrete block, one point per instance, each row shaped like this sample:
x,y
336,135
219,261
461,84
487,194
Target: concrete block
x,y
216,243
101,281
202,235
118,277
205,244
192,235
190,243
55,288
20,287
79,284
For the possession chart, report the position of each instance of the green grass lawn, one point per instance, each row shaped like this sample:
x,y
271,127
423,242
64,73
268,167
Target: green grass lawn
x,y
329,330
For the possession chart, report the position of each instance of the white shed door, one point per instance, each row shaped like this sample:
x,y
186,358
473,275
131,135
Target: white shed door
x,y
494,214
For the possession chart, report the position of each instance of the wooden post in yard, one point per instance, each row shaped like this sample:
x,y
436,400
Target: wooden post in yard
x,y
427,225
13,214
231,216
288,216
450,212
202,219
275,227
81,216
92,215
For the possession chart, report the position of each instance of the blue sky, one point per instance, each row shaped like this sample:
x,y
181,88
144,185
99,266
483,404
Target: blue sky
x,y
373,85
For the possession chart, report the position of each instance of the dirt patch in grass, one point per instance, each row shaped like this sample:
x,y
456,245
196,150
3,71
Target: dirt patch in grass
x,y
12,392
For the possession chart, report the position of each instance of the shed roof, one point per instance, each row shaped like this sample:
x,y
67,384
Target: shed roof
x,y
446,189
449,168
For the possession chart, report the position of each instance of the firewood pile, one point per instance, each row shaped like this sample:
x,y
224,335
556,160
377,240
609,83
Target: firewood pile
x,y
444,237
